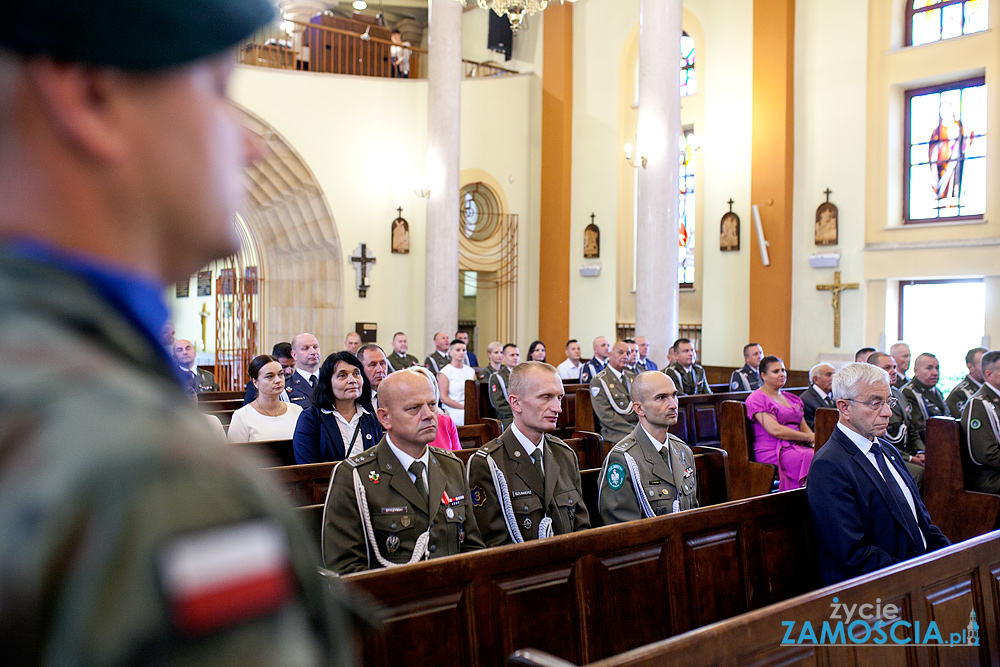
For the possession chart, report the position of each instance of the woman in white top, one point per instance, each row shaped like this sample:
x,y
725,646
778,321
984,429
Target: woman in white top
x,y
341,422
267,417
451,381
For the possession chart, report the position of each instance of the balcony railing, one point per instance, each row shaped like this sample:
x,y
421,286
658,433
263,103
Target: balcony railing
x,y
345,47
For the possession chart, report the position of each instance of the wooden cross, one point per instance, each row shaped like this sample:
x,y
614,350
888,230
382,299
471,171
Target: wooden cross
x,y
828,192
836,288
592,216
730,202
361,259
400,209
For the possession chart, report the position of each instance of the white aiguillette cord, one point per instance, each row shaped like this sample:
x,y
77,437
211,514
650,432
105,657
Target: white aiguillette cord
x,y
420,548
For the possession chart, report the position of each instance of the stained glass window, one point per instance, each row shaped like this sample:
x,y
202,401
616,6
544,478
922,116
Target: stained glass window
x,y
688,84
945,162
686,213
933,20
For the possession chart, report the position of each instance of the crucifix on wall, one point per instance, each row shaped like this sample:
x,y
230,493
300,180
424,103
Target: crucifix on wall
x,y
835,289
361,259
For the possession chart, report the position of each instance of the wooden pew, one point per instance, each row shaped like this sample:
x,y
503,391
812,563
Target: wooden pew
x,y
747,478
586,420
279,452
942,587
307,484
475,435
206,396
960,514
595,593
477,402
722,374
826,422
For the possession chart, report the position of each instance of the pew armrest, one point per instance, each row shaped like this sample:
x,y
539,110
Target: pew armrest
x,y
529,657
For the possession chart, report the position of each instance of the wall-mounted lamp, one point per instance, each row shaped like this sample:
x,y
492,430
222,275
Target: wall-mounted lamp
x,y
628,157
423,193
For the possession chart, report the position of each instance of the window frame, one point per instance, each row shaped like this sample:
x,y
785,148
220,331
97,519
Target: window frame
x,y
940,4
908,148
930,281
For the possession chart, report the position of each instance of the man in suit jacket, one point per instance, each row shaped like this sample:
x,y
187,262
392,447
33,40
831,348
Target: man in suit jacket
x,y
526,475
305,352
818,394
644,363
195,379
401,501
866,508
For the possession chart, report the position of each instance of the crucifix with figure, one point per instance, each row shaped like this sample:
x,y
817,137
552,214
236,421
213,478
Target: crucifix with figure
x,y
361,259
835,289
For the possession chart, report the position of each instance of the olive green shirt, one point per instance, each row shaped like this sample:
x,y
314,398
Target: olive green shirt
x,y
400,362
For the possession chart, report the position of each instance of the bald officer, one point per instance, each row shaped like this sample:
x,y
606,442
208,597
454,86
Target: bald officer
x,y
400,501
609,394
116,505
650,472
526,484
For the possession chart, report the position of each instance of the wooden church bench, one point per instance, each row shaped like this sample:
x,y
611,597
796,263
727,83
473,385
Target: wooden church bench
x,y
747,478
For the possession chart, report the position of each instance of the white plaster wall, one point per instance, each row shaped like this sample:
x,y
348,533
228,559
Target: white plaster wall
x,y
365,141
830,116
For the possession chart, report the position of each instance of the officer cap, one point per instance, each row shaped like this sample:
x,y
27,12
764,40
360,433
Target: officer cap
x,y
134,35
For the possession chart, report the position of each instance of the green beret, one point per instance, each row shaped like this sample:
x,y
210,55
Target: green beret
x,y
135,35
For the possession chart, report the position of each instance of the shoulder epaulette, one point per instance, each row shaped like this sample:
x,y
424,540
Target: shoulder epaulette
x,y
437,451
358,459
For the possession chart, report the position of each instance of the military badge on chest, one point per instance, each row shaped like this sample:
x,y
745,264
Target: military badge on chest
x,y
392,543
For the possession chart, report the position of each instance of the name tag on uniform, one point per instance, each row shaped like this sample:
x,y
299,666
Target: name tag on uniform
x,y
518,494
394,510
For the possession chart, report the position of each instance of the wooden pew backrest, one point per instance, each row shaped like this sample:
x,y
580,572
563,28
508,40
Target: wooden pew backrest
x,y
747,478
307,484
826,423
277,452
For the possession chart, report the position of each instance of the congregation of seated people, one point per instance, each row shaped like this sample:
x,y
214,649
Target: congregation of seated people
x,y
388,416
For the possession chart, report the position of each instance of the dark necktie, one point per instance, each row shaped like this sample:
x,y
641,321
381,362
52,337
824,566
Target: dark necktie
x,y
417,468
829,401
312,380
897,495
536,460
665,455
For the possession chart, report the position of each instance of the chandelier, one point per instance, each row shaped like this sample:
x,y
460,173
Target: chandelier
x,y
515,10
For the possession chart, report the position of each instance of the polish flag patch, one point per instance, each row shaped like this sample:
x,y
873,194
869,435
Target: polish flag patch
x,y
215,579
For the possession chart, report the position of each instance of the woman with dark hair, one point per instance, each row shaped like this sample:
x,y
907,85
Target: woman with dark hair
x,y
536,352
779,426
341,422
267,417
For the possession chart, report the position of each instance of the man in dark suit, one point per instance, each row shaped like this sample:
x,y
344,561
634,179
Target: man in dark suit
x,y
644,363
818,394
305,352
597,363
865,506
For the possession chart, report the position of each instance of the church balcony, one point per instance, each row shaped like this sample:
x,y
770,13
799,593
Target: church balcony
x,y
335,45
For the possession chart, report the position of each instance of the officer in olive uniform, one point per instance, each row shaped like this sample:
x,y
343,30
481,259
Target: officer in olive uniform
x,y
688,377
498,382
643,475
526,484
116,505
398,358
964,390
439,358
922,394
611,398
401,501
981,422
900,432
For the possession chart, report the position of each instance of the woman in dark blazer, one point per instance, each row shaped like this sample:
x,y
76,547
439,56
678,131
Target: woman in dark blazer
x,y
341,421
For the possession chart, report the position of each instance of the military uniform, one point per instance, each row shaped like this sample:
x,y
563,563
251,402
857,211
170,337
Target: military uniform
x,y
530,498
961,394
903,437
400,362
643,365
299,391
982,432
498,395
901,380
637,482
925,402
111,488
396,510
197,380
613,403
589,370
483,374
745,379
688,382
437,360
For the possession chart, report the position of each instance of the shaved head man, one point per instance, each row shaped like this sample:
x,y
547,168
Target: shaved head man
x,y
404,481
901,353
972,382
597,362
644,363
195,379
610,395
533,465
922,394
439,358
306,353
650,472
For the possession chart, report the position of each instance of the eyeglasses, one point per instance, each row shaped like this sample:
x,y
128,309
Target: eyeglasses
x,y
877,403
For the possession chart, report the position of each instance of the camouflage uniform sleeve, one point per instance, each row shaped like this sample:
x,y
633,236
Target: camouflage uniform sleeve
x,y
486,504
980,430
344,547
617,502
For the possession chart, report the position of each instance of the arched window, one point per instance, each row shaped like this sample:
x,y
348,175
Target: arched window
x,y
688,84
686,212
933,20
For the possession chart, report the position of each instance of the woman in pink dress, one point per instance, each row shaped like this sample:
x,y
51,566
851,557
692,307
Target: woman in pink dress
x,y
781,435
447,434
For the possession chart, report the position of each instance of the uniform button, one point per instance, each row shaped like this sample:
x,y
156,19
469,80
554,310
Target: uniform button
x,y
433,548
393,525
525,508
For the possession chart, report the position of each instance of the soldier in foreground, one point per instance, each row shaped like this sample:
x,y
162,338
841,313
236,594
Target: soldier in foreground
x,y
116,507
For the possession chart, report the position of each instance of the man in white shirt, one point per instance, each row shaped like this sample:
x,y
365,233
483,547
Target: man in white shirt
x,y
597,362
865,506
376,367
570,368
611,397
306,353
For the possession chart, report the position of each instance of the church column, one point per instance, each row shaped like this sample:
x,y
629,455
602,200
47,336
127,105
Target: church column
x,y
771,173
658,142
444,81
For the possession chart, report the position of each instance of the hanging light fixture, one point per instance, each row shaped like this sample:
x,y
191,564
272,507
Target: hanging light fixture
x,y
515,10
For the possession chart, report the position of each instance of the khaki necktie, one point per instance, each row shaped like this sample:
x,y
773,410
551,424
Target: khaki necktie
x,y
417,468
536,460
